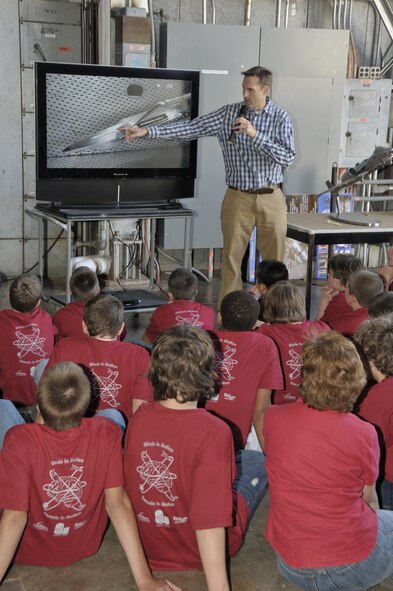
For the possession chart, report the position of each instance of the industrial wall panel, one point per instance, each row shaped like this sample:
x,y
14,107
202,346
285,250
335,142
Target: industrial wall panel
x,y
11,257
28,123
29,176
56,258
10,137
50,42
28,89
226,48
365,118
49,11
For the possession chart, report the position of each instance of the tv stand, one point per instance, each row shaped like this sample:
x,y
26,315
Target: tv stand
x,y
65,217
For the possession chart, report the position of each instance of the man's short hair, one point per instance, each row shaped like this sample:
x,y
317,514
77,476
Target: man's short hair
x,y
332,374
84,284
365,286
239,311
381,305
181,364
25,293
284,302
342,265
183,284
103,316
63,395
264,75
375,337
269,271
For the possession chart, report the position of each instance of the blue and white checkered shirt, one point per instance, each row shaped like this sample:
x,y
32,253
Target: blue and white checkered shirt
x,y
250,163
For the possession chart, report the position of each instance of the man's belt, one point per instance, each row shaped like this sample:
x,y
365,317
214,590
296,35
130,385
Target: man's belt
x,y
260,191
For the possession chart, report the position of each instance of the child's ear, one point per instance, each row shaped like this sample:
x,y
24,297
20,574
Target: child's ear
x,y
262,288
84,327
219,318
120,329
170,296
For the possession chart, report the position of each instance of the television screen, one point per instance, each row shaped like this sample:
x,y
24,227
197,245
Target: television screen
x,y
82,154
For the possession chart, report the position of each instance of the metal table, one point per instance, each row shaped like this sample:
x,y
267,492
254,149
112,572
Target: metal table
x,y
314,229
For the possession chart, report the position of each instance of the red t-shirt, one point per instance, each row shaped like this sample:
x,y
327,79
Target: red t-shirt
x,y
289,338
59,478
377,408
26,339
349,322
178,313
245,362
318,463
336,307
119,370
69,321
179,467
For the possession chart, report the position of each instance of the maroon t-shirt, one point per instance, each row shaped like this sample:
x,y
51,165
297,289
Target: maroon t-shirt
x,y
119,369
245,362
69,321
178,313
349,322
59,479
179,467
26,339
336,307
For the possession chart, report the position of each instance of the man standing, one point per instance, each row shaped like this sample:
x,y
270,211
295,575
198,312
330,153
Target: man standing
x,y
256,138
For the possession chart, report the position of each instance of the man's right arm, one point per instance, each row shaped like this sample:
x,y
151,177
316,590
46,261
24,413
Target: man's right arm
x,y
211,545
12,525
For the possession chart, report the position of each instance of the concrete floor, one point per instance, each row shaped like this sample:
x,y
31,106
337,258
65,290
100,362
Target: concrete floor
x,y
253,569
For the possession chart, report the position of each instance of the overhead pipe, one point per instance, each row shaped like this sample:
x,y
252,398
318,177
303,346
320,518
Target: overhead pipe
x,y
247,15
286,20
204,12
278,13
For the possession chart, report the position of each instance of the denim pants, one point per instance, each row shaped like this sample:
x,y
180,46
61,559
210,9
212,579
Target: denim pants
x,y
386,495
251,478
376,569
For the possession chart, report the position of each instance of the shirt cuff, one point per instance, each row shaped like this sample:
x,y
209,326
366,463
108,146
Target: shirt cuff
x,y
152,132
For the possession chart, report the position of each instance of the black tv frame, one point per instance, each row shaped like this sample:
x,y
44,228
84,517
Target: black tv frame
x,y
94,187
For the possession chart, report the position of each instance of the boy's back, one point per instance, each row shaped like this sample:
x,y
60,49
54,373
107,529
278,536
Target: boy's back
x,y
179,313
26,339
179,468
119,369
246,361
59,477
69,320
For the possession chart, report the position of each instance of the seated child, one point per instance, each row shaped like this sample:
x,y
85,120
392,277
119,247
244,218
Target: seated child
x,y
182,309
60,480
382,304
332,303
83,286
269,271
375,338
322,464
119,369
179,464
27,338
248,367
285,313
362,287
387,271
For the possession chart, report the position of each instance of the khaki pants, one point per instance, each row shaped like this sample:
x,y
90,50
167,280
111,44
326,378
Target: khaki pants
x,y
240,212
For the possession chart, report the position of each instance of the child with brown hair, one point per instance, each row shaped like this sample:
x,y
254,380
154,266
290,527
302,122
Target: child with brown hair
x,y
27,338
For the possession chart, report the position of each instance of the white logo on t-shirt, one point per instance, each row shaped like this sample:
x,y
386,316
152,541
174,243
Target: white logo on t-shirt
x,y
191,318
161,518
29,343
156,474
61,530
294,363
224,363
109,389
65,489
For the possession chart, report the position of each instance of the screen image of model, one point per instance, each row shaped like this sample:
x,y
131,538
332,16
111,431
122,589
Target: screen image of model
x,y
86,117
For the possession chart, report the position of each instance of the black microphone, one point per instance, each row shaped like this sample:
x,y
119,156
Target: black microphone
x,y
244,112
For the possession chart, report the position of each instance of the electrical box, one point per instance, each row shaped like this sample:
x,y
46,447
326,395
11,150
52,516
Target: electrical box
x,y
132,41
365,119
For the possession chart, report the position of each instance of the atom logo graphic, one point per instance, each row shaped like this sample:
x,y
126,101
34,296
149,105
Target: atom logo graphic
x,y
295,364
156,474
29,343
65,489
224,363
191,319
108,387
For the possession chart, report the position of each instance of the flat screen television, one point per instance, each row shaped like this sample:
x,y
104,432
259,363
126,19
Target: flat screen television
x,y
82,157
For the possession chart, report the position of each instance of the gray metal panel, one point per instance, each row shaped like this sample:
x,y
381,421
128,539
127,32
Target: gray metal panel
x,y
58,43
365,119
310,53
50,11
308,101
28,123
28,89
226,48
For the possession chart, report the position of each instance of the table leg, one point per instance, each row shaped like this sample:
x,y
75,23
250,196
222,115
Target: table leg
x,y
310,259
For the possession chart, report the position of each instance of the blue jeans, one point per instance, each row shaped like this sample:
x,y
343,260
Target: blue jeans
x,y
9,417
376,569
251,478
386,494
